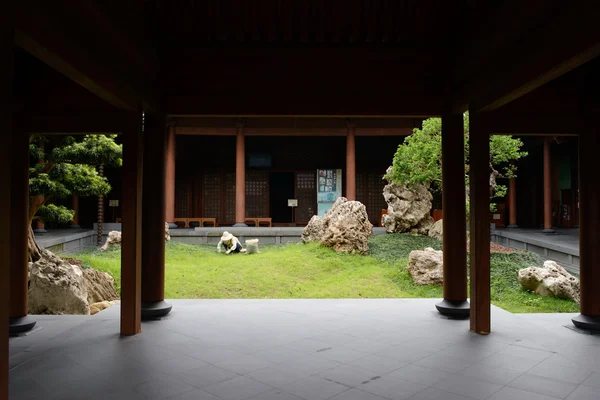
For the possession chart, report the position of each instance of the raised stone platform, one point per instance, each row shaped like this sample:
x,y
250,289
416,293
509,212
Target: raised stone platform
x,y
562,247
279,235
66,240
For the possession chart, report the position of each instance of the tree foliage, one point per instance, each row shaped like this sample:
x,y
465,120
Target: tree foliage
x,y
68,168
418,159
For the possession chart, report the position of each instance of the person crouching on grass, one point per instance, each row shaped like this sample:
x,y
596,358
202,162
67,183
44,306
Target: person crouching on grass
x,y
230,243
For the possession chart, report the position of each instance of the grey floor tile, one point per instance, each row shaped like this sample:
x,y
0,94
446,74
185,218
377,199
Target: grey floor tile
x,y
239,388
500,376
179,364
349,376
507,361
585,393
510,393
314,388
377,364
197,394
524,352
276,377
437,394
244,364
214,355
275,394
367,345
355,394
545,386
444,363
163,388
26,389
558,367
205,376
279,354
419,374
407,353
308,345
341,354
309,365
469,387
593,380
394,389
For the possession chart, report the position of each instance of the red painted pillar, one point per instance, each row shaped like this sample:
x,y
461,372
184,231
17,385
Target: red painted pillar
x,y
351,163
455,225
19,271
7,43
153,221
589,235
547,187
512,203
75,206
170,179
240,177
479,221
131,249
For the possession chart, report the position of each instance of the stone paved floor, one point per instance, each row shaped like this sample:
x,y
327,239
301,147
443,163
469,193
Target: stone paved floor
x,y
305,349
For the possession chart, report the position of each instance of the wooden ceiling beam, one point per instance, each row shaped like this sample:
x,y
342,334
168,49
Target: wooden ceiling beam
x,y
89,56
552,47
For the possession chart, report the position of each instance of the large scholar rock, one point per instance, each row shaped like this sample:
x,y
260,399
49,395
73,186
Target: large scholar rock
x,y
100,286
426,266
408,209
97,307
345,228
437,230
56,287
551,280
112,240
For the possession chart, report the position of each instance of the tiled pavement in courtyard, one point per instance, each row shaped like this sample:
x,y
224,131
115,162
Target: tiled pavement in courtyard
x,y
305,349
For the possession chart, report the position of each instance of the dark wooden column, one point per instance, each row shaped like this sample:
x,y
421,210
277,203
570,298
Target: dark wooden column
x,y
19,208
351,163
548,187
455,226
6,100
589,234
240,177
479,222
131,250
75,207
170,177
512,203
153,217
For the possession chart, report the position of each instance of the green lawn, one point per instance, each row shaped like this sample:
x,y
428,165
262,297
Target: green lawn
x,y
311,271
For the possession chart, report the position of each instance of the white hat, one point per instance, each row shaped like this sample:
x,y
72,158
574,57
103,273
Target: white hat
x,y
226,236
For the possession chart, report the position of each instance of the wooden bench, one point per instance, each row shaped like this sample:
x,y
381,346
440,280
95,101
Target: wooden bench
x,y
185,222
258,221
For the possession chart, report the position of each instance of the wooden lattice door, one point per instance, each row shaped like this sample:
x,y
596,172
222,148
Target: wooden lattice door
x,y
211,194
374,201
228,217
257,194
306,193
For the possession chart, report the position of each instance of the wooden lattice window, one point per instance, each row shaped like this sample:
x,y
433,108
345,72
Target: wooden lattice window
x,y
360,189
306,193
212,194
182,194
229,198
375,201
257,194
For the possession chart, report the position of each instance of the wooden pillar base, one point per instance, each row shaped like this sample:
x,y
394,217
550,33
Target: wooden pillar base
x,y
549,231
155,309
513,226
587,323
454,309
17,326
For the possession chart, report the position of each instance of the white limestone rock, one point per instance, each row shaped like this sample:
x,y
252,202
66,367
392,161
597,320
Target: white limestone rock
x,y
345,228
56,287
100,286
426,266
437,230
167,232
551,280
112,240
408,209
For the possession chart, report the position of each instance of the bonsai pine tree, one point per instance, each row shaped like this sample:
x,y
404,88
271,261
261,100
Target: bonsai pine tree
x,y
68,168
418,159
